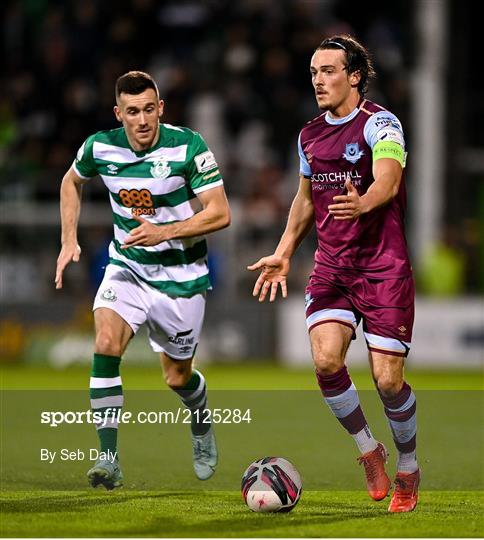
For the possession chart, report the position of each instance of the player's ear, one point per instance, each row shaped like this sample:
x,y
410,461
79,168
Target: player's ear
x,y
117,113
161,107
355,78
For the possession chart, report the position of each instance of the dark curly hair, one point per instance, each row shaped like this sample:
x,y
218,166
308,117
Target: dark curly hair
x,y
357,57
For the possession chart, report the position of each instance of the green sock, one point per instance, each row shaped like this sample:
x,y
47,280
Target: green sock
x,y
194,397
106,392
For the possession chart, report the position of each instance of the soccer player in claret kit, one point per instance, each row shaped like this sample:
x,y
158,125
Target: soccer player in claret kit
x,y
166,192
351,187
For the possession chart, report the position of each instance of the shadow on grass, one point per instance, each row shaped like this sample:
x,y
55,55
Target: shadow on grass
x,y
76,501
195,514
187,521
246,523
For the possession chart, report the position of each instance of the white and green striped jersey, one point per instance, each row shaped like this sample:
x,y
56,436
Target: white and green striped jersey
x,y
160,185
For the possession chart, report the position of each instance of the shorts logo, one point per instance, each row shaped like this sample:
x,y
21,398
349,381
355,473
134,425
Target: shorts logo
x,y
352,152
402,329
308,300
160,168
109,295
182,338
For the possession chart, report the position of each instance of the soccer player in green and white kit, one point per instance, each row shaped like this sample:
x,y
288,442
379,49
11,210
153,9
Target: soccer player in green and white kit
x,y
166,192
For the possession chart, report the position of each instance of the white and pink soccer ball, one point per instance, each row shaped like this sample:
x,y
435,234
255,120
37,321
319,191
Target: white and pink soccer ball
x,y
271,484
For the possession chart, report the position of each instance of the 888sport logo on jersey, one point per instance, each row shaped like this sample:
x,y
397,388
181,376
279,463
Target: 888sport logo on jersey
x,y
139,200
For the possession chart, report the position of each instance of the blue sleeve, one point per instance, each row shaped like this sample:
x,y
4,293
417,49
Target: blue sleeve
x,y
304,168
383,126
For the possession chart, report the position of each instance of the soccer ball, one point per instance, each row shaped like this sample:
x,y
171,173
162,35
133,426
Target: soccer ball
x,y
271,484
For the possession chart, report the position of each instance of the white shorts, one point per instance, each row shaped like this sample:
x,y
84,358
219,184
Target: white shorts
x,y
174,324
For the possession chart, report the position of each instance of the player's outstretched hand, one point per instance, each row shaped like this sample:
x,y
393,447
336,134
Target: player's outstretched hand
x,y
69,253
274,271
146,234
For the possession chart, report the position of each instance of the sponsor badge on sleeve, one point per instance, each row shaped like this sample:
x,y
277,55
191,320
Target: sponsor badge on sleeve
x,y
205,162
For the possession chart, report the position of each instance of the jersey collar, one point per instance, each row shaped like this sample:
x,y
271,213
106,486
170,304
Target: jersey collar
x,y
336,121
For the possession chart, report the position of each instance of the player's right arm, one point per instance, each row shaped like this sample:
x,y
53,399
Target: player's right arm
x,y
70,207
82,169
275,267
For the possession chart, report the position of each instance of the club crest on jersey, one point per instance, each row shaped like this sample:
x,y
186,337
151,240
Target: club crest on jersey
x,y
110,295
352,152
160,168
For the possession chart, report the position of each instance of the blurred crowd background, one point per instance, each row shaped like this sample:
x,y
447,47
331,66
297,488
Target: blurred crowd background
x,y
238,72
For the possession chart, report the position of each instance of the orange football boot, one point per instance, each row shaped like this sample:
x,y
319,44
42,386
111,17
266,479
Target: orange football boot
x,y
377,481
405,496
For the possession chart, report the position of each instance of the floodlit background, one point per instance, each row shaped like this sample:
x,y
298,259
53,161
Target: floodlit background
x,y
238,72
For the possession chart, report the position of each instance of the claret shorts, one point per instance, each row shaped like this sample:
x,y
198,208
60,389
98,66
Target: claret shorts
x,y
386,307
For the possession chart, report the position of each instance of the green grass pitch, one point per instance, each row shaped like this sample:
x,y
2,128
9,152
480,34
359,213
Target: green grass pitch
x,y
162,498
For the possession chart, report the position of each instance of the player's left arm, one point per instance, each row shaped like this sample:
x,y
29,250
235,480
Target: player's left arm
x,y
383,133
215,215
387,174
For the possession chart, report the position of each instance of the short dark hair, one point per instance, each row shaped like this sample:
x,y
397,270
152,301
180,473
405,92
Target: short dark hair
x,y
357,57
135,82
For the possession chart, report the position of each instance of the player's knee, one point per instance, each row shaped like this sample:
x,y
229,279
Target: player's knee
x,y
328,363
177,378
389,386
107,344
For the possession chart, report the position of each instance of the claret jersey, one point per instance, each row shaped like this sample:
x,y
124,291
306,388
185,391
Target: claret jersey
x,y
159,184
332,151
